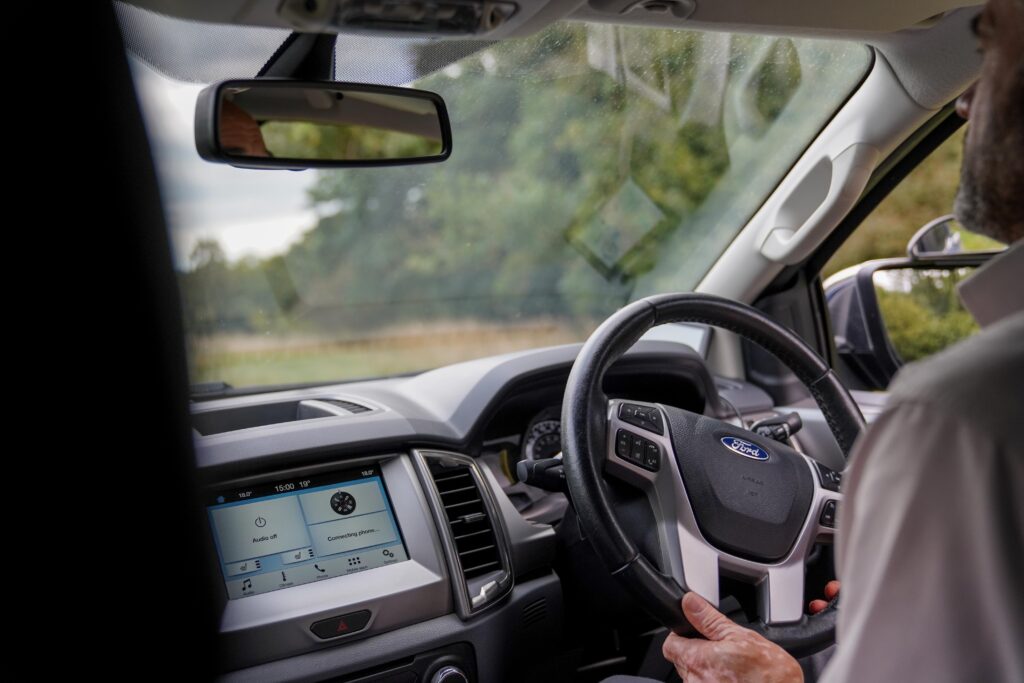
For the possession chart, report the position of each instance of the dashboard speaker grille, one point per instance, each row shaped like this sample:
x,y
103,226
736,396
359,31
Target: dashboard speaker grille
x,y
470,524
534,613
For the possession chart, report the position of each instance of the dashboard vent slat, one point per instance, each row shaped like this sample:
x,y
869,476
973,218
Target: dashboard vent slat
x,y
438,480
481,568
464,488
476,550
451,506
474,533
347,405
467,515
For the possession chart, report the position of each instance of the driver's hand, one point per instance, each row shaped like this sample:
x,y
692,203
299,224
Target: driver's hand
x,y
831,591
730,653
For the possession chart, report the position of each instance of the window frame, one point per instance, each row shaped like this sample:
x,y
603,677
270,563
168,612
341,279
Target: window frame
x,y
798,288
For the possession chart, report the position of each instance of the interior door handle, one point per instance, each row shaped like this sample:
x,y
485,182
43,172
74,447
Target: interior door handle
x,y
822,198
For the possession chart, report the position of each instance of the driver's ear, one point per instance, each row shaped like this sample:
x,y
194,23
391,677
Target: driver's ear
x,y
963,103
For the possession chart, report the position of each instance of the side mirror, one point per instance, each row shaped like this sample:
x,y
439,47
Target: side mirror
x,y
268,123
944,238
890,312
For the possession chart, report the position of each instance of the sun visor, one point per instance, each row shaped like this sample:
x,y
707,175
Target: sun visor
x,y
200,52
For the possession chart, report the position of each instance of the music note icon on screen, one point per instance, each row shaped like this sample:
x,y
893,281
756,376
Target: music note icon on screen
x,y
247,585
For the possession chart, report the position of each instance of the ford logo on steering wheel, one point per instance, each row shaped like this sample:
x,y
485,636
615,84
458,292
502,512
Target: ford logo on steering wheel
x,y
744,448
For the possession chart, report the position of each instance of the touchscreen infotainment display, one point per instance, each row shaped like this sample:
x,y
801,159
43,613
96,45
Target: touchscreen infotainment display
x,y
288,533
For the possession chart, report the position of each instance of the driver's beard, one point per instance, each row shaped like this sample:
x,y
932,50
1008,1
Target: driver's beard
x,y
990,199
980,209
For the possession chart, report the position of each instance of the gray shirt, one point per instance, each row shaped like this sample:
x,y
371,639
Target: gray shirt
x,y
931,532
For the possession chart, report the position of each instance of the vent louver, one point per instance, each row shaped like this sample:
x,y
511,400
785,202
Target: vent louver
x,y
347,405
471,527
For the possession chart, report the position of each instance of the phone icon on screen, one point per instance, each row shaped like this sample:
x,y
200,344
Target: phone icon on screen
x,y
317,567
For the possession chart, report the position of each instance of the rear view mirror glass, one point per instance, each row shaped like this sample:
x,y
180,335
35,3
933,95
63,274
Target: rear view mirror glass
x,y
287,124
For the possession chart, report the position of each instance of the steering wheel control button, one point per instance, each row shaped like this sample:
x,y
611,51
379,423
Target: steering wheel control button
x,y
828,514
637,450
830,479
341,626
652,457
636,454
623,444
643,417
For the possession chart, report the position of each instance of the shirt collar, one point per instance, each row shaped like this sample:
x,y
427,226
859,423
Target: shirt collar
x,y
997,289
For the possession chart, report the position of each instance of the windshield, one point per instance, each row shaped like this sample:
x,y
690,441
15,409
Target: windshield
x,y
592,165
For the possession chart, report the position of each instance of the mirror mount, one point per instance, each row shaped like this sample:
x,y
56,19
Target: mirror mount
x,y
941,240
303,57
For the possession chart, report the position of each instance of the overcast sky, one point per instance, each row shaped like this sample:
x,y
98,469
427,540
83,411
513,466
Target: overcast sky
x,y
249,212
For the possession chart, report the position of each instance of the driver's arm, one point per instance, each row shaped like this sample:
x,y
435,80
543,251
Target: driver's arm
x,y
929,543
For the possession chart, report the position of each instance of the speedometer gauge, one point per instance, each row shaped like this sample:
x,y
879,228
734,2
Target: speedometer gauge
x,y
543,438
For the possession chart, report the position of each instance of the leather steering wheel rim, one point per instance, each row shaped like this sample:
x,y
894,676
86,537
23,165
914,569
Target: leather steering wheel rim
x,y
584,437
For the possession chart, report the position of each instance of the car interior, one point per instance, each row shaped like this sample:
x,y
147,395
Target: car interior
x,y
526,514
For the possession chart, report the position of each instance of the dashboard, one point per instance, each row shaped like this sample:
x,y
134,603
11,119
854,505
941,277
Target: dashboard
x,y
376,531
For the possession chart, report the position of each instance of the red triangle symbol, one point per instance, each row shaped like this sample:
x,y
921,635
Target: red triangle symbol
x,y
342,626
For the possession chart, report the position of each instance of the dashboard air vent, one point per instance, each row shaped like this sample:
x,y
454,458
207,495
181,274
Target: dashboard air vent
x,y
347,405
471,527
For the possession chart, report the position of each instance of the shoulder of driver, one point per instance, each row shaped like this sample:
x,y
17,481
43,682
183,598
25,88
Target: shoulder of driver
x,y
931,529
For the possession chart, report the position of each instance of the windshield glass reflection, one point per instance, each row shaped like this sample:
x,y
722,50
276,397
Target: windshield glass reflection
x,y
591,165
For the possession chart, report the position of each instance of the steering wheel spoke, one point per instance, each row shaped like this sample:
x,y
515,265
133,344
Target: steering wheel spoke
x,y
685,556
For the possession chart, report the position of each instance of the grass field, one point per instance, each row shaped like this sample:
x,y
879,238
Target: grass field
x,y
249,361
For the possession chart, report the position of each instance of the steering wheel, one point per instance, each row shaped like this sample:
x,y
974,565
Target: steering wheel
x,y
726,500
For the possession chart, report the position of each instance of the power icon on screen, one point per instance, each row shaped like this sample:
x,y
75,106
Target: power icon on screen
x,y
260,522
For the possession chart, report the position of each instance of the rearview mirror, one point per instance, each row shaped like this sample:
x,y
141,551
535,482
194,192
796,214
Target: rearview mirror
x,y
289,124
